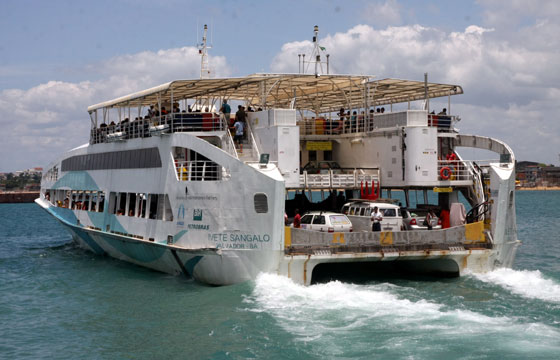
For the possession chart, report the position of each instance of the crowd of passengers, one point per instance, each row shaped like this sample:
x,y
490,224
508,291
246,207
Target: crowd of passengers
x,y
348,122
178,120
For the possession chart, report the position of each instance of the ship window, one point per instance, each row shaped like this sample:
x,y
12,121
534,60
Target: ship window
x,y
362,211
130,159
261,203
153,200
132,204
112,203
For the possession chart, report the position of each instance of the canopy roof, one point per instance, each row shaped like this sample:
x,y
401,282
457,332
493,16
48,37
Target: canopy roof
x,y
324,93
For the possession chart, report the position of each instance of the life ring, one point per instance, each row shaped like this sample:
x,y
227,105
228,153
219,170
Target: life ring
x,y
445,173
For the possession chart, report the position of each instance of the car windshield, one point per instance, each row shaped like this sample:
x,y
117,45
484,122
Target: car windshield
x,y
339,220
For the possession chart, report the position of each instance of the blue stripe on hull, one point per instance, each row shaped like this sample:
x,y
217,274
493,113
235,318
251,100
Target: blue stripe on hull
x,y
136,250
83,235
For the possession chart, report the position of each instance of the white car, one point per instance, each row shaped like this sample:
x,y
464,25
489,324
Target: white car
x,y
359,212
326,221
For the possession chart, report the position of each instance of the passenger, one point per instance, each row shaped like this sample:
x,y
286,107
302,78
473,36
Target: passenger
x,y
428,221
151,112
378,111
206,109
297,220
131,212
238,138
226,110
382,110
353,121
240,114
443,112
376,218
444,215
163,111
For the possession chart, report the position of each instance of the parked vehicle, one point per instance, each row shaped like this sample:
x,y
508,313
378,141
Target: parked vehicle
x,y
413,219
321,167
359,212
326,221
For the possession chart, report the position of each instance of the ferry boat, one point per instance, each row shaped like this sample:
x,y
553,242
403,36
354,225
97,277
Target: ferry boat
x,y
173,193
162,184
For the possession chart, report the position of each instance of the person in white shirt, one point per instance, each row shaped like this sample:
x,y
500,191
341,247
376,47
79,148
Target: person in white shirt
x,y
376,218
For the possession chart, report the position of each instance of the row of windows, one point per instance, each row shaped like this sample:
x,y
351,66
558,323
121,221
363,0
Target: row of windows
x,y
77,199
128,159
149,206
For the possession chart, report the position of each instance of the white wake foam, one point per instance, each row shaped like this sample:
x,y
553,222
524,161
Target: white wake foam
x,y
530,284
328,316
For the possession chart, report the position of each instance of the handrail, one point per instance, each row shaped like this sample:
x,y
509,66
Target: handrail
x,y
200,170
229,140
255,147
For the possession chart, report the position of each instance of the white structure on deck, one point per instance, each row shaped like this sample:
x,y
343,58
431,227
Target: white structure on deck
x,y
170,191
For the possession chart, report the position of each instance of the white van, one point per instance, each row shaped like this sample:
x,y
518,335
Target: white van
x,y
359,212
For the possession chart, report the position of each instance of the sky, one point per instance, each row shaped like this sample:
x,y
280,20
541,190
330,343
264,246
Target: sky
x,y
59,57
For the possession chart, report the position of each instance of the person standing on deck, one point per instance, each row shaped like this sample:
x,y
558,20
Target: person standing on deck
x,y
297,219
226,110
376,218
238,138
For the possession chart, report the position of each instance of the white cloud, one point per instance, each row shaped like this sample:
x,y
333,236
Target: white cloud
x,y
46,120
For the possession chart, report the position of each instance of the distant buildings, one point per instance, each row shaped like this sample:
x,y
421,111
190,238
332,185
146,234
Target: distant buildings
x,y
532,174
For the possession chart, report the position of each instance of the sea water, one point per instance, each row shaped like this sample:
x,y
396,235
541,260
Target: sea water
x,y
59,301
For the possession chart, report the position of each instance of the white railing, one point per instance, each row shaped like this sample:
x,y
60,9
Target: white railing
x,y
454,170
350,124
332,180
254,146
230,145
199,171
141,128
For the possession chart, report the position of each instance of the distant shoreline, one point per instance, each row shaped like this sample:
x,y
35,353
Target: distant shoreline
x,y
15,197
540,188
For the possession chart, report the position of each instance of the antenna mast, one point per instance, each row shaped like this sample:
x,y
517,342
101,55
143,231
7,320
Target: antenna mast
x,y
315,56
203,51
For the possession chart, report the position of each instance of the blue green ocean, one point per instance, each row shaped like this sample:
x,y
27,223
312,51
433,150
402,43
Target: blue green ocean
x,y
61,302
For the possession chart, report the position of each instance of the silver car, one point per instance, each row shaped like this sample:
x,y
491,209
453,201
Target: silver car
x,y
326,221
413,219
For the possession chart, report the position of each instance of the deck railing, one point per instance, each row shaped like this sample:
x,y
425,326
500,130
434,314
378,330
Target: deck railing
x,y
331,180
454,170
350,124
141,128
200,170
